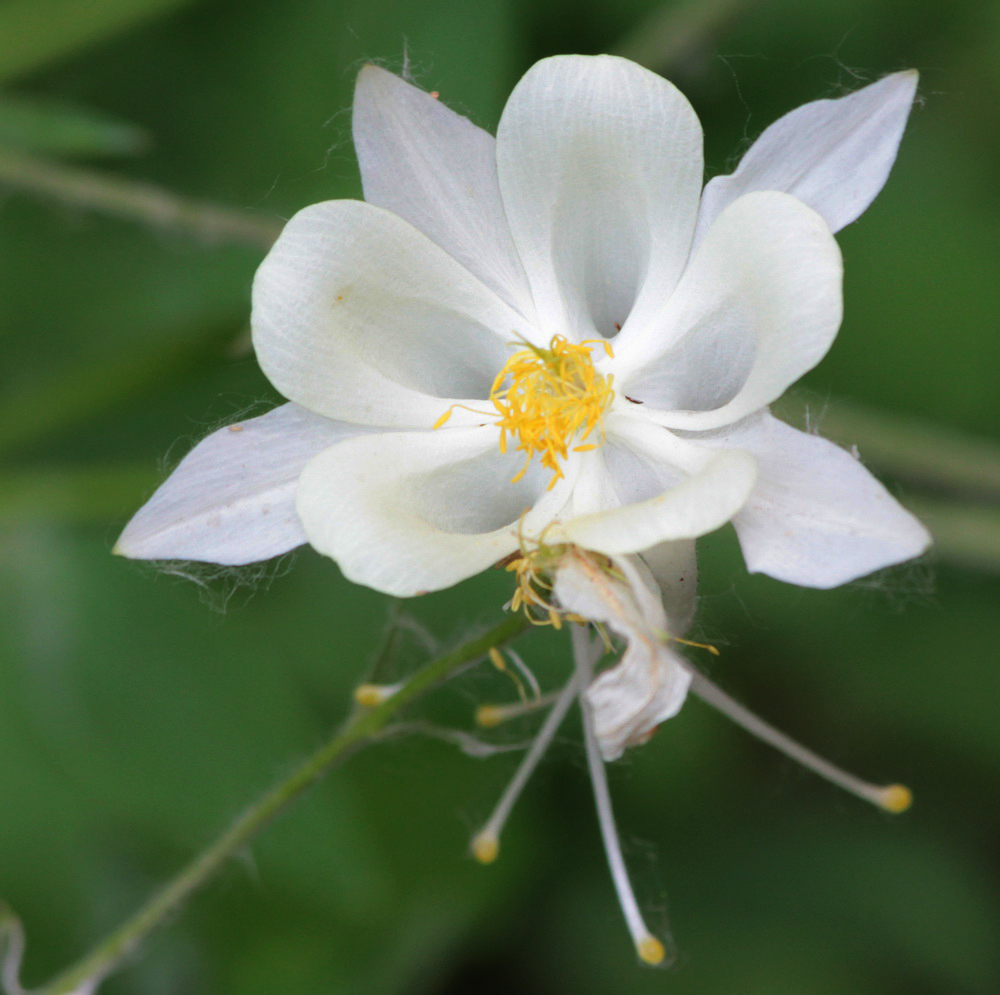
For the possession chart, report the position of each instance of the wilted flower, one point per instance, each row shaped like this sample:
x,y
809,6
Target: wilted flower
x,y
558,321
622,706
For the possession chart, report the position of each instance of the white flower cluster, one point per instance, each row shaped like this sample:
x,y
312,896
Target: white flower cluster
x,y
557,338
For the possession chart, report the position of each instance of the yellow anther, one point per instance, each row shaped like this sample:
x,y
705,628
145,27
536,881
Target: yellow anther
x,y
485,848
547,398
702,646
370,695
896,798
496,658
650,950
490,716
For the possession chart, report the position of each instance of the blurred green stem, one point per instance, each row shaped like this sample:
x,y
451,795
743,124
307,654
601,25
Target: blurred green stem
x,y
964,535
674,33
908,449
133,200
87,974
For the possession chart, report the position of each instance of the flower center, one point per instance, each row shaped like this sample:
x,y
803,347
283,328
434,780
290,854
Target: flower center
x,y
550,398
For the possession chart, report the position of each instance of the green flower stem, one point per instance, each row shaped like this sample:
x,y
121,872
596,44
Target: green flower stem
x,y
362,727
134,201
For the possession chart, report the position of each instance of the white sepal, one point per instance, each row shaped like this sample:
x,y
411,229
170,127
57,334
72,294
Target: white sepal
x,y
817,517
231,500
835,155
437,170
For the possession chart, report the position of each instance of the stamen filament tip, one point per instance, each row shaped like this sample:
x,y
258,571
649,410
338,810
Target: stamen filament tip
x,y
650,950
896,798
485,847
370,695
489,716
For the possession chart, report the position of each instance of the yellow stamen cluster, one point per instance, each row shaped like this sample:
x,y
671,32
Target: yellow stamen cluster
x,y
532,569
547,398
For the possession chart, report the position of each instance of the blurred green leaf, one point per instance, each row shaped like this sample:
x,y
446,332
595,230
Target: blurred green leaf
x,y
74,494
66,397
34,33
64,130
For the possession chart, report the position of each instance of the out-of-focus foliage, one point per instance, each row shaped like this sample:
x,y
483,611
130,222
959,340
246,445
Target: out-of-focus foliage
x,y
136,718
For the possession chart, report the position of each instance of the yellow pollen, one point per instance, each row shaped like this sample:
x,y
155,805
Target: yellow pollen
x,y
650,950
489,716
485,848
896,798
370,695
551,400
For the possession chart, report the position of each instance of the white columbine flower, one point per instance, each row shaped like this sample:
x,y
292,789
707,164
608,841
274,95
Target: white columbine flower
x,y
557,320
554,346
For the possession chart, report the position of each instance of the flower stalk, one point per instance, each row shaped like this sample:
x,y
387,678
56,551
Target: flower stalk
x,y
134,201
95,966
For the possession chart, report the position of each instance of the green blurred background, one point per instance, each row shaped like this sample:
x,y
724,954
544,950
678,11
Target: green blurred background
x,y
139,712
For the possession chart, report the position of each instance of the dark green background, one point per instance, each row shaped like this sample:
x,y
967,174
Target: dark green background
x,y
136,718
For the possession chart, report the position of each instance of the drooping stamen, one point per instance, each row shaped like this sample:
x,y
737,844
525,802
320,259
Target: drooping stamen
x,y
486,843
891,797
490,716
647,946
370,695
550,398
498,661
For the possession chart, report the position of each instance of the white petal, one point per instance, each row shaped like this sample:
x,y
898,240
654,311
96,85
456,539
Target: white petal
x,y
707,496
600,171
817,517
406,513
360,317
833,154
437,170
759,306
231,500
674,567
649,685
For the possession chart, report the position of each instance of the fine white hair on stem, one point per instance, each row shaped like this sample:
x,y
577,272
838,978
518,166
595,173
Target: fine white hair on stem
x,y
486,843
891,797
648,947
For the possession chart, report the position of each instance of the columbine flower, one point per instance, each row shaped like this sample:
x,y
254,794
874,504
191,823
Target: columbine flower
x,y
556,321
622,706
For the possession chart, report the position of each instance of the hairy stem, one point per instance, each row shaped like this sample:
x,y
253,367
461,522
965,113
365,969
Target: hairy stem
x,y
87,973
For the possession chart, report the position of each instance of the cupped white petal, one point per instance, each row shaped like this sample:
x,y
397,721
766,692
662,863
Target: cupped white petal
x,y
406,513
817,517
649,685
835,155
759,306
600,168
710,488
231,500
360,317
437,170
